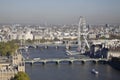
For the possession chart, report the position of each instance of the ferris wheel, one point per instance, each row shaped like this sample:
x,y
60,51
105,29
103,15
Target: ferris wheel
x,y
82,36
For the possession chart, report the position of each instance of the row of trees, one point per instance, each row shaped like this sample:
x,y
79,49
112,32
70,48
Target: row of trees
x,y
8,48
114,36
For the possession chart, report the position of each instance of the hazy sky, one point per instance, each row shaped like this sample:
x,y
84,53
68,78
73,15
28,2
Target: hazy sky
x,y
59,11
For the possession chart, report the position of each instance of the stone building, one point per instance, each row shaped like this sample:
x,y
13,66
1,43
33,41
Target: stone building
x,y
11,66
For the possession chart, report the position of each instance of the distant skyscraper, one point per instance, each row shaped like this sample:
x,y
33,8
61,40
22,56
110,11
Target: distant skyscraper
x,y
106,25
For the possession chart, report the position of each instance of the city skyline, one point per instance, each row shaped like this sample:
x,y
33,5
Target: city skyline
x,y
59,11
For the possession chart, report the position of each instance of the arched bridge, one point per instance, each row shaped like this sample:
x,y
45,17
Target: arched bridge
x,y
58,60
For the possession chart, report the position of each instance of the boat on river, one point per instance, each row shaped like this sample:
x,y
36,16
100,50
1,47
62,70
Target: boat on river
x,y
36,59
68,52
94,71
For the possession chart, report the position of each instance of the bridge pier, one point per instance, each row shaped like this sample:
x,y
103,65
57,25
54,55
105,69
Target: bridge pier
x,y
57,62
83,61
57,47
95,62
32,63
46,47
70,62
44,62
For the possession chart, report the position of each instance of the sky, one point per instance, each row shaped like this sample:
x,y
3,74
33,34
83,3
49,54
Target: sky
x,y
59,11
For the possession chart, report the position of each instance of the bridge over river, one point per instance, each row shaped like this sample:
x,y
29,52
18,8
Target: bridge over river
x,y
58,60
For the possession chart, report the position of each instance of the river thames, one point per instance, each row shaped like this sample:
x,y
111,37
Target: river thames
x,y
64,70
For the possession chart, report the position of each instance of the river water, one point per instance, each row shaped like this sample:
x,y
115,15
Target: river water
x,y
66,71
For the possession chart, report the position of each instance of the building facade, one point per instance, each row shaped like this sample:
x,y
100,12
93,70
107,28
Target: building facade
x,y
11,66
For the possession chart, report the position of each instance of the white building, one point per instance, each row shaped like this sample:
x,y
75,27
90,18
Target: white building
x,y
92,36
21,35
28,35
37,36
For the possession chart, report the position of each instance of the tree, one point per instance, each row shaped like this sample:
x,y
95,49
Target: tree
x,y
29,41
8,48
21,76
